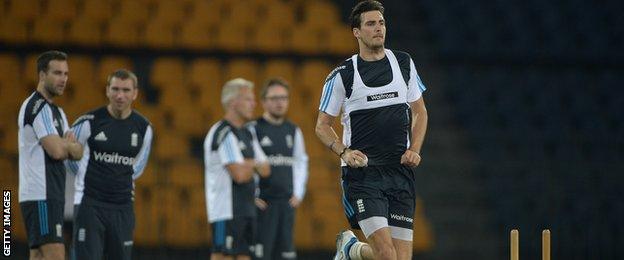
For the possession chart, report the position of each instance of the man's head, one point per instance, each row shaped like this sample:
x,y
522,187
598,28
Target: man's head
x,y
53,72
275,97
238,97
368,24
122,89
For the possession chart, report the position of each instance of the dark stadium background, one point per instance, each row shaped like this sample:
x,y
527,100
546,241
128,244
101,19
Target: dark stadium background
x,y
525,102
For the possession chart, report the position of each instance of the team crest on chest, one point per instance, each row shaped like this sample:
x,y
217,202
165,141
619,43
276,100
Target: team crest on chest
x,y
289,141
266,141
134,139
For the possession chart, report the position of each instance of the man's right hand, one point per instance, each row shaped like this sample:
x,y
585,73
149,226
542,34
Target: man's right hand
x,y
261,204
355,158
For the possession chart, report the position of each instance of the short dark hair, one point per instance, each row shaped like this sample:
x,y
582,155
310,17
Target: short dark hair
x,y
272,83
43,61
123,74
363,7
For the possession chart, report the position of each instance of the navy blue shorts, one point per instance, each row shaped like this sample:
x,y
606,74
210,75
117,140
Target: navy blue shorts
x,y
379,191
44,221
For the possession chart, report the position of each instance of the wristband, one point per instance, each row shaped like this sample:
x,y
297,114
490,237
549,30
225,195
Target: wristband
x,y
343,151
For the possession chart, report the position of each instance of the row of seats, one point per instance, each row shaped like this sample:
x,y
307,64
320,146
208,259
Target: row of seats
x,y
548,139
166,192
196,25
179,97
515,29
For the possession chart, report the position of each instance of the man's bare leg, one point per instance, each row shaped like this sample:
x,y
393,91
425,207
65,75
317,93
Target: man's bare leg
x,y
53,251
403,249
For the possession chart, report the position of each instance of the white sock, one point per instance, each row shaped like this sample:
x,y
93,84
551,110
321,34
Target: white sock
x,y
355,253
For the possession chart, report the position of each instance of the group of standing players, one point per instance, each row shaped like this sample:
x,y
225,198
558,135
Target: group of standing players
x,y
255,169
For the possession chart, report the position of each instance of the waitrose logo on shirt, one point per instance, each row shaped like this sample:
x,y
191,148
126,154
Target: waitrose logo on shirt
x,y
113,158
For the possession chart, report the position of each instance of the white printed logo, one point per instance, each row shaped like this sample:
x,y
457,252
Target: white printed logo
x,y
101,137
289,141
128,243
360,205
241,145
59,230
266,141
113,158
134,139
82,233
55,122
402,218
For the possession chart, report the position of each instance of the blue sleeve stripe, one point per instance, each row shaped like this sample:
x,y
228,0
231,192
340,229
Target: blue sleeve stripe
x,y
77,130
325,88
143,160
328,94
73,166
46,119
228,149
420,84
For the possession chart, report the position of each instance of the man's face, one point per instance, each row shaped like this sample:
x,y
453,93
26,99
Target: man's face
x,y
372,31
121,93
244,104
276,101
55,79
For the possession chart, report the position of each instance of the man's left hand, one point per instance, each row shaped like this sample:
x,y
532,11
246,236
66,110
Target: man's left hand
x,y
410,158
294,201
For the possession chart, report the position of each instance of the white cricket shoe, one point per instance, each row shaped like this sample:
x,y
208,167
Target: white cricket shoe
x,y
344,240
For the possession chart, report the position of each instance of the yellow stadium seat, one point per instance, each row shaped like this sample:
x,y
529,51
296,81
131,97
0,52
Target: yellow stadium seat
x,y
149,176
82,69
320,14
279,13
232,37
170,12
61,10
160,34
341,41
207,13
272,38
9,144
10,68
306,40
133,12
189,119
197,36
13,30
85,31
311,78
242,68
205,74
192,231
186,174
24,10
170,145
173,96
9,177
423,235
282,68
147,204
108,65
48,31
155,115
243,13
167,71
123,32
97,10
30,77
